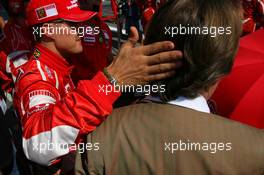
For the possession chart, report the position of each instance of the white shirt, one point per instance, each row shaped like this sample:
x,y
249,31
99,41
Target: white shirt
x,y
199,103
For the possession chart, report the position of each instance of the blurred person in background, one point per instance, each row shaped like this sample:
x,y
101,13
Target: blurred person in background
x,y
18,40
132,15
253,15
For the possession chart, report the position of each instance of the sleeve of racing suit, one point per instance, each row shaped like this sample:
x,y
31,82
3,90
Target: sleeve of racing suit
x,y
52,126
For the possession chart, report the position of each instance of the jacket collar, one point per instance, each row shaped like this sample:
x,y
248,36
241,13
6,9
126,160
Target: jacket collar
x,y
199,103
51,59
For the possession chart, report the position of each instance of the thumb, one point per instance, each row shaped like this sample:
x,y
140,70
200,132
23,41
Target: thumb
x,y
132,39
134,36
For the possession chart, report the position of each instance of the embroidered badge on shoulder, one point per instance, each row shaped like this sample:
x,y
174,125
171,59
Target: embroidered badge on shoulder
x,y
36,53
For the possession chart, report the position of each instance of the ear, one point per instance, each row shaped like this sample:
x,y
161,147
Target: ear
x,y
48,30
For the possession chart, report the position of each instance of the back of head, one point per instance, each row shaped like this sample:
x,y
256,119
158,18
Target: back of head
x,y
207,32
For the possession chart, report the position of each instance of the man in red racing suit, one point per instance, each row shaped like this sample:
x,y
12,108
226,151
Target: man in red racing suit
x,y
53,110
54,113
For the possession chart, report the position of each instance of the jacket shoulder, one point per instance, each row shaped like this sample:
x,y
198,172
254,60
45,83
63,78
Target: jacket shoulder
x,y
32,72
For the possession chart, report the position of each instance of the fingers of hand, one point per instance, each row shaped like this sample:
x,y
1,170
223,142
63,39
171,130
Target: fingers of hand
x,y
162,68
160,76
164,57
156,47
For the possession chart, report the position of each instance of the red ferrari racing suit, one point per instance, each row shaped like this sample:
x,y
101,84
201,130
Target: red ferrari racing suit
x,y
55,114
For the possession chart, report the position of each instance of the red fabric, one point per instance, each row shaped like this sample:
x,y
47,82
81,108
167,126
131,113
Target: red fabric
x,y
148,13
249,26
43,11
250,110
254,41
114,7
240,95
143,5
97,48
147,16
46,99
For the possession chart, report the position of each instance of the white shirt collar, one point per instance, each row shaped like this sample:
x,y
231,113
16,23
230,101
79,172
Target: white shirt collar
x,y
199,103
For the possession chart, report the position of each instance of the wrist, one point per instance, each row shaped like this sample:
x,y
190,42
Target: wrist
x,y
109,75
